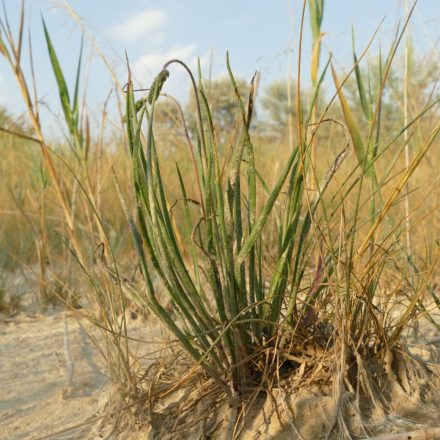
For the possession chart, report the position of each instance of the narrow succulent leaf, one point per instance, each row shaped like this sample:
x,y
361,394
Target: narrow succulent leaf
x,y
195,260
259,224
155,305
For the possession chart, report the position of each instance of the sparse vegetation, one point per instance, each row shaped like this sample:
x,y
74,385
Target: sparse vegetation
x,y
275,254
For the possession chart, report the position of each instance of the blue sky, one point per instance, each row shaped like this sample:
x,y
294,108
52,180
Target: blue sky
x,y
258,34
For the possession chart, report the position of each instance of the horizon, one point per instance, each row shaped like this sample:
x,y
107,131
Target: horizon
x,y
152,32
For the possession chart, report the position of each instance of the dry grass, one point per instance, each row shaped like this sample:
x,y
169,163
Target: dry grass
x,y
272,278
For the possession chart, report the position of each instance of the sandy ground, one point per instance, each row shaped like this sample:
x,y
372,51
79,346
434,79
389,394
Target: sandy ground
x,y
39,397
35,396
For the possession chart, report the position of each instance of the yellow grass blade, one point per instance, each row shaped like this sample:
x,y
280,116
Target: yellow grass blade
x,y
399,187
355,135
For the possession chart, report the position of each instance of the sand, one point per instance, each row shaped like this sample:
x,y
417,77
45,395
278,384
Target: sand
x,y
36,398
44,390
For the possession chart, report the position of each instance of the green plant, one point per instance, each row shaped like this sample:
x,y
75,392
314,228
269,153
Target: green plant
x,y
231,305
266,282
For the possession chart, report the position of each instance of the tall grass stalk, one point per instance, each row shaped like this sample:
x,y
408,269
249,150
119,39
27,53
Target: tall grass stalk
x,y
232,307
12,50
230,303
316,13
77,195
406,75
263,279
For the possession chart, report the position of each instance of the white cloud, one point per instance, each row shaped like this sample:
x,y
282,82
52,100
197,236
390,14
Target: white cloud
x,y
140,24
151,63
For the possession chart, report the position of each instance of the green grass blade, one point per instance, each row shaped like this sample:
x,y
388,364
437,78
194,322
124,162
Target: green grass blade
x,y
259,224
75,110
61,82
366,108
355,135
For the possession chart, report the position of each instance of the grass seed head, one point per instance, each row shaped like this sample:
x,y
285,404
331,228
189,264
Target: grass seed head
x,y
157,85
